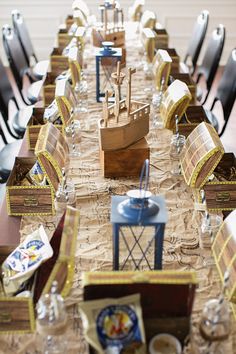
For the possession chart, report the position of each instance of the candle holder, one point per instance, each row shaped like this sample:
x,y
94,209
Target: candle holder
x,y
106,60
131,216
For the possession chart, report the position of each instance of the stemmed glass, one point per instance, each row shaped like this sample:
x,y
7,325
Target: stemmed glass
x,y
176,147
65,196
73,137
52,321
156,103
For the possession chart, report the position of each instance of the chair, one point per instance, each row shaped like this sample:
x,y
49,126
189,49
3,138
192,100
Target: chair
x,y
19,66
210,62
195,44
7,156
39,69
17,125
226,93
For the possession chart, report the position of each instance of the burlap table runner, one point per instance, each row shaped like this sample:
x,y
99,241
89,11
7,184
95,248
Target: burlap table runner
x,y
94,246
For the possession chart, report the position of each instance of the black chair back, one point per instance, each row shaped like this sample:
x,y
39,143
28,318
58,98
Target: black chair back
x,y
211,58
197,38
23,35
6,95
15,55
226,91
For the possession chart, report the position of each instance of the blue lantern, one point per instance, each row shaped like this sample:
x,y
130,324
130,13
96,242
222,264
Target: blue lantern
x,y
141,211
106,59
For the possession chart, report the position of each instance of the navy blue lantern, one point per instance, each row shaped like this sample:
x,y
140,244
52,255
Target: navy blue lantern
x,y
106,60
133,216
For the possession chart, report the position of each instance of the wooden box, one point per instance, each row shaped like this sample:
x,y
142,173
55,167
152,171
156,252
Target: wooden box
x,y
203,157
17,314
224,251
221,191
193,116
162,38
166,296
125,162
187,79
175,102
49,88
35,124
52,153
201,154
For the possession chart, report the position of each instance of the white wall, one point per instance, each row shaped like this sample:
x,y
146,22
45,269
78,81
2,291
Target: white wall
x,y
177,16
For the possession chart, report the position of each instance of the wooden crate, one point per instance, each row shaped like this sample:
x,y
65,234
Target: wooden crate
x,y
162,312
201,154
193,116
18,313
52,153
125,162
187,79
224,251
175,102
221,192
34,125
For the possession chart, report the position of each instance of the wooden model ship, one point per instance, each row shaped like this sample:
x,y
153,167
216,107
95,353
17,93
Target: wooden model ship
x,y
126,121
111,31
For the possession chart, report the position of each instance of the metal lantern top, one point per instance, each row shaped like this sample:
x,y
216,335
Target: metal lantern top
x,y
139,207
108,50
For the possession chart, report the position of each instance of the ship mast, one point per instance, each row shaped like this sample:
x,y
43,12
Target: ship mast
x,y
117,79
128,96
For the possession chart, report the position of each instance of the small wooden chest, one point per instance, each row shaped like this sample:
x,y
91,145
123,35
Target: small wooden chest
x,y
187,79
175,102
166,296
59,62
193,116
52,154
65,35
161,68
125,162
162,38
201,154
34,125
221,192
17,314
49,88
224,251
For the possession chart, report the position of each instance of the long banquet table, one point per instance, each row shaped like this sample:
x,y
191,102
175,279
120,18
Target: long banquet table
x,y
94,244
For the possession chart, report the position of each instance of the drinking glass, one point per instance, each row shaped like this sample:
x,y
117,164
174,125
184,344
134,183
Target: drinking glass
x,y
73,138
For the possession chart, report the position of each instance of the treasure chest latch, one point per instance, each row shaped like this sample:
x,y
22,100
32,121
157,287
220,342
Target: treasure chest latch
x,y
222,197
31,201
